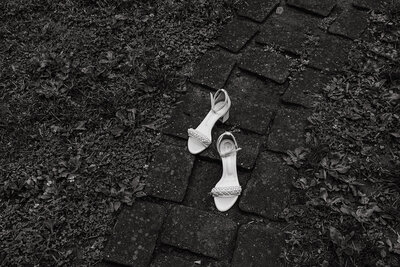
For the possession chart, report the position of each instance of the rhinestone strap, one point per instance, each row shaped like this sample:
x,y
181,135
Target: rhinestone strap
x,y
226,191
199,136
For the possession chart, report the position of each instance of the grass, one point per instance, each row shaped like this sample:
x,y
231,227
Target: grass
x,y
85,86
348,189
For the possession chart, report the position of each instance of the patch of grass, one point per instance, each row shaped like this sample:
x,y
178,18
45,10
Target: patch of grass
x,y
349,184
79,79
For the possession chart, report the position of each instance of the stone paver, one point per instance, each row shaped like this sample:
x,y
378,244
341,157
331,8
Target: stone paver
x,y
135,234
169,261
198,231
258,246
287,132
350,23
254,101
266,64
204,177
288,37
213,69
246,158
169,173
268,109
323,56
302,87
319,7
257,10
292,16
267,192
370,4
236,34
179,122
196,102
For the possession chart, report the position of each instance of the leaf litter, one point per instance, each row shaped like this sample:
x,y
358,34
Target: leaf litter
x,y
346,210
86,87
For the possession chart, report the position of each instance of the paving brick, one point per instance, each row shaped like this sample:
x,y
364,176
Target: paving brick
x,y
236,34
257,10
319,7
258,246
254,101
302,87
169,261
196,101
323,56
199,231
351,23
267,192
288,129
213,69
179,122
204,177
266,64
287,37
370,4
295,17
135,234
250,144
169,173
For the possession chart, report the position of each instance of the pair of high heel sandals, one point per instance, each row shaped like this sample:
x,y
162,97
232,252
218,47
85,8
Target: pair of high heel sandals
x,y
227,190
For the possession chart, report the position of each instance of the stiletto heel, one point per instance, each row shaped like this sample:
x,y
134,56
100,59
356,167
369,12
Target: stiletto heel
x,y
200,138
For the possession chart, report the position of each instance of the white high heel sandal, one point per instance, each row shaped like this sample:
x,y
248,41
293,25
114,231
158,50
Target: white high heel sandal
x,y
200,138
228,189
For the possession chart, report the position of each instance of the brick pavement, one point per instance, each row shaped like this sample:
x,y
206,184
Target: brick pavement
x,y
177,223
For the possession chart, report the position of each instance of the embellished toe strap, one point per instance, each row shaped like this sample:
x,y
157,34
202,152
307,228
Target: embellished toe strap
x,y
226,191
199,136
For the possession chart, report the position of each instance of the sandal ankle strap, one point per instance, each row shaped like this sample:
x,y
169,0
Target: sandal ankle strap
x,y
214,98
222,136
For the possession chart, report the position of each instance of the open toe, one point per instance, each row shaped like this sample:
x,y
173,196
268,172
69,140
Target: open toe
x,y
228,189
